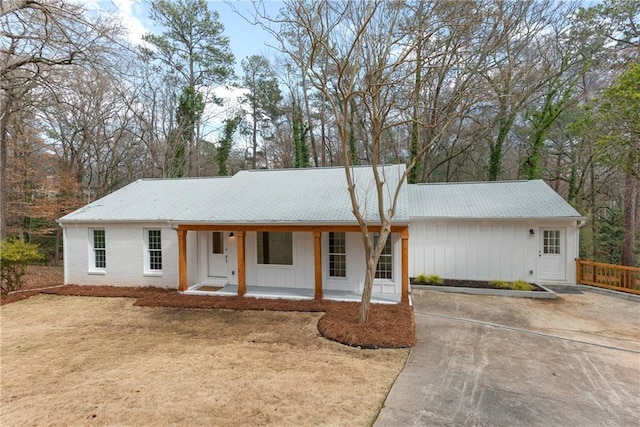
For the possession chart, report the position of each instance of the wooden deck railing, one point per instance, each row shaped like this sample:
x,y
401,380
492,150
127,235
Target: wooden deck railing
x,y
610,276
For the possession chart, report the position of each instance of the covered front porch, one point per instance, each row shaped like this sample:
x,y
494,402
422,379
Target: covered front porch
x,y
315,287
290,293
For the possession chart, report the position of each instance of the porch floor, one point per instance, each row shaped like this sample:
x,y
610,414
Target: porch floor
x,y
293,293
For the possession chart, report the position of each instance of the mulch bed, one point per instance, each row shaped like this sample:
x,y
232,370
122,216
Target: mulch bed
x,y
388,326
480,284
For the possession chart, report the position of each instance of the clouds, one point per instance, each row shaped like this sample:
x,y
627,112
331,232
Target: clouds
x,y
130,13
129,18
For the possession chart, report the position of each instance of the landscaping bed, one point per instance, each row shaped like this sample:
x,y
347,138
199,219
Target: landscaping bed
x,y
477,284
389,325
480,287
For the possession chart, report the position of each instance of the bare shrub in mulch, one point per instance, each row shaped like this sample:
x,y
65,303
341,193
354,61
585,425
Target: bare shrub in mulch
x,y
388,326
37,277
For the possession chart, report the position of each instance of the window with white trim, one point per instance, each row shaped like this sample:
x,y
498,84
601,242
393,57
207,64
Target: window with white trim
x,y
384,269
337,255
99,249
154,250
274,247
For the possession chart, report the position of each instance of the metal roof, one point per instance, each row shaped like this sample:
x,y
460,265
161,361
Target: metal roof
x,y
488,200
283,196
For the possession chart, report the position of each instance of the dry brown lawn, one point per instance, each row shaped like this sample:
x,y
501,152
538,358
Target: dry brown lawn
x,y
84,360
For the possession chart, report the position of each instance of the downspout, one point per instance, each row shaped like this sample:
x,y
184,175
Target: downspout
x,y
579,223
65,258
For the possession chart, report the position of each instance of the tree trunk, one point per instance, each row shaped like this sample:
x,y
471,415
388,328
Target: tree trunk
x,y
415,144
56,255
254,136
5,105
366,292
594,211
312,137
630,215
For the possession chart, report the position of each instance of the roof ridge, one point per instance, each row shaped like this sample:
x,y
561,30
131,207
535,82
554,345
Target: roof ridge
x,y
317,168
183,178
507,181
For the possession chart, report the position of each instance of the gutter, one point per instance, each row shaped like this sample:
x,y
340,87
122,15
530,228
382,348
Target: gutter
x,y
580,219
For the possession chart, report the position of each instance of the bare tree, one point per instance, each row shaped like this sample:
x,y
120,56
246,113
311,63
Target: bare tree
x,y
370,51
36,38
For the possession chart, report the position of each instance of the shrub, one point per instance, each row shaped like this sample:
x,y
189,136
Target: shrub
x,y
432,279
14,258
518,285
501,284
521,285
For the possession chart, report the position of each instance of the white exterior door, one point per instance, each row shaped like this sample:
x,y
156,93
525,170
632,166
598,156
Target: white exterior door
x,y
217,254
551,255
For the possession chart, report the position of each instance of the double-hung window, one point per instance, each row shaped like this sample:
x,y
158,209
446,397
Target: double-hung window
x,y
384,269
99,249
337,255
154,250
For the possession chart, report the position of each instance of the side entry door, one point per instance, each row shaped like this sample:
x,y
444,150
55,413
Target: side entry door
x,y
551,255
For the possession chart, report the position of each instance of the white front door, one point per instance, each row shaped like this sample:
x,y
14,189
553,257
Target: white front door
x,y
551,255
217,254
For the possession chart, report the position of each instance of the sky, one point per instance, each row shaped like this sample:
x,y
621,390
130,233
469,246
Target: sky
x,y
245,39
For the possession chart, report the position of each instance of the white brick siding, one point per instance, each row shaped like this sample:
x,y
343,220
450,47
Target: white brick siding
x,y
125,257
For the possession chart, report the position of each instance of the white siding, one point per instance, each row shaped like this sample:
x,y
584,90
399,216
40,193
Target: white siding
x,y
125,261
483,250
356,266
125,255
302,274
298,275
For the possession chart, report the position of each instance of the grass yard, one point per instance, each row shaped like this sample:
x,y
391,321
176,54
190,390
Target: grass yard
x,y
84,360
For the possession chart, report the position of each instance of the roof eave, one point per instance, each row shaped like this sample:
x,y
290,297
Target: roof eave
x,y
494,218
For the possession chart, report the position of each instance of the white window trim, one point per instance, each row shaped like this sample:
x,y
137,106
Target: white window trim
x,y
392,241
148,272
346,260
92,253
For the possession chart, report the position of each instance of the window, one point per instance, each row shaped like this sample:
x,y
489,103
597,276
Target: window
x,y
154,239
384,268
337,255
99,249
275,248
551,242
217,242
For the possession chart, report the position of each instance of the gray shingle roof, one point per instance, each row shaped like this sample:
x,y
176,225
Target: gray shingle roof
x,y
285,196
506,199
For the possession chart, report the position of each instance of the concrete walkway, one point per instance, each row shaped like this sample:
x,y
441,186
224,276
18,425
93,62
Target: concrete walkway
x,y
495,361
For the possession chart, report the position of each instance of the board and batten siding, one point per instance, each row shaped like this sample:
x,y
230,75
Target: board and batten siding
x,y
125,255
483,250
301,273
298,275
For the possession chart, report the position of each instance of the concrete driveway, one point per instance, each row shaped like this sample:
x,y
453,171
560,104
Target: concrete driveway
x,y
496,361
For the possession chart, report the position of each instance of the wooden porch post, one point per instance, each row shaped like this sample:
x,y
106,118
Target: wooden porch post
x,y
317,262
242,276
182,260
405,267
